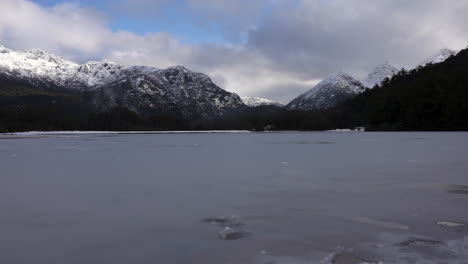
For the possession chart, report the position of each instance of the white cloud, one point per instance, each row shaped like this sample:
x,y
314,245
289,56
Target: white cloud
x,y
66,28
318,37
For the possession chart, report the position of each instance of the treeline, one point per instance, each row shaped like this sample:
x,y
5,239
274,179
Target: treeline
x,y
62,117
427,98
26,108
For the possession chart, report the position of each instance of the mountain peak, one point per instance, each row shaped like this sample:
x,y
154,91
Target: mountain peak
x,y
341,80
447,51
440,56
382,71
178,68
38,52
3,49
179,73
337,76
338,88
252,101
385,64
36,64
103,62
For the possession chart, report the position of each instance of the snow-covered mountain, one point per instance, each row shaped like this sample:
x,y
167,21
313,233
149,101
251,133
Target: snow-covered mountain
x,y
175,90
36,65
257,101
341,87
328,93
145,90
379,74
387,70
439,57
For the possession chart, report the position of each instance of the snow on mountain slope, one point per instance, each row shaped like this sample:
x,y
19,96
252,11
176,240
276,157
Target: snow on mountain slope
x,y
95,73
145,90
257,101
328,93
36,64
379,74
40,66
387,70
175,90
441,56
3,49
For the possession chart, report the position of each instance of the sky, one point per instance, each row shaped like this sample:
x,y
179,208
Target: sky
x,y
274,49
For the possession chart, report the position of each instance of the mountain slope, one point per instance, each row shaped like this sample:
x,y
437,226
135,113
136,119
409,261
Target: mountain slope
x,y
144,90
379,74
175,91
439,57
328,93
251,101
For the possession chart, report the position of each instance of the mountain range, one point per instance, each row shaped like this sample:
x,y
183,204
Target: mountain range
x,y
341,87
147,90
428,98
143,90
35,83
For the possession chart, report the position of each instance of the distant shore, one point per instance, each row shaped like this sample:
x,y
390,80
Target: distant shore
x,y
38,133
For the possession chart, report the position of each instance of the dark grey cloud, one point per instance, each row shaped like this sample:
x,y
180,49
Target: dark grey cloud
x,y
319,37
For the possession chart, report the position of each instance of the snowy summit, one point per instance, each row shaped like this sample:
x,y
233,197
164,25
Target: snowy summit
x,y
328,93
441,56
379,74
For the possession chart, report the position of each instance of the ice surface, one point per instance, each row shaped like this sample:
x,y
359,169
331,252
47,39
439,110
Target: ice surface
x,y
140,198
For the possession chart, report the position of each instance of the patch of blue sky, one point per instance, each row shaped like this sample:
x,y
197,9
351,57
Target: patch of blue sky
x,y
173,18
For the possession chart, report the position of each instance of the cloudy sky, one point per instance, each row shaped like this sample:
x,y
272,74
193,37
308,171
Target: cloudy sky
x,y
270,48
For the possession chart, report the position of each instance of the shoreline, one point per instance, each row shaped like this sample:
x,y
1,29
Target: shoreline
x,y
47,133
78,132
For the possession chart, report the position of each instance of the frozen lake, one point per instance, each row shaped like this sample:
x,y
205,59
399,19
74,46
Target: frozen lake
x,y
324,197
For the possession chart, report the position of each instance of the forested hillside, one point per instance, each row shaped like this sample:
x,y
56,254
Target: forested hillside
x,y
427,98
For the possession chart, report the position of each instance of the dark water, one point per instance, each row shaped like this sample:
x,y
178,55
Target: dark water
x,y
302,197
